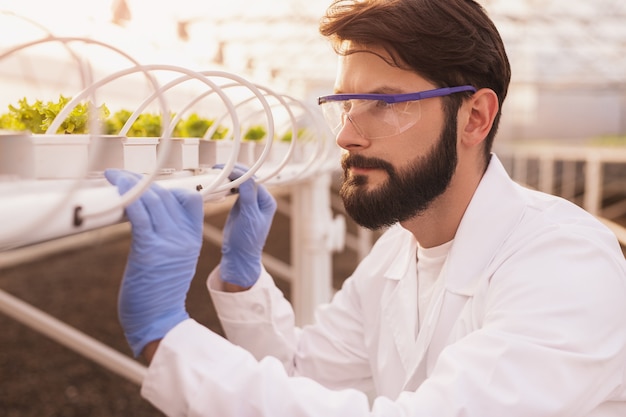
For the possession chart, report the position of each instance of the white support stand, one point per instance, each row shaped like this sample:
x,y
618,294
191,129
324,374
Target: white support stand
x,y
592,200
314,235
593,156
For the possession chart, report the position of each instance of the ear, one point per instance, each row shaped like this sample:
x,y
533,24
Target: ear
x,y
480,111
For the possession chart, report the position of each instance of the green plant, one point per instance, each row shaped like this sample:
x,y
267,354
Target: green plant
x,y
220,133
23,117
116,122
78,119
8,122
38,117
146,125
255,133
150,125
287,136
196,126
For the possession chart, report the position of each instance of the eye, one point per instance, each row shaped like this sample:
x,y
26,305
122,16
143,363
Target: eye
x,y
346,106
381,104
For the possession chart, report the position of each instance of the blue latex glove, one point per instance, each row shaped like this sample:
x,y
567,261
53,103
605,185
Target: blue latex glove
x,y
245,232
166,241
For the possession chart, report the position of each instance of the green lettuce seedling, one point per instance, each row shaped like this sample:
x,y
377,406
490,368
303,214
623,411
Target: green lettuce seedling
x,y
255,133
38,117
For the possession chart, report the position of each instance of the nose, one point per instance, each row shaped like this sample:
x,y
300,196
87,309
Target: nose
x,y
349,137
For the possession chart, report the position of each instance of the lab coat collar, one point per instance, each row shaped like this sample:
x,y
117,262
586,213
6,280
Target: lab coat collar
x,y
404,259
495,209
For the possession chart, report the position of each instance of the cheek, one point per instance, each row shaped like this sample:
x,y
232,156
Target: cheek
x,y
432,117
418,141
415,143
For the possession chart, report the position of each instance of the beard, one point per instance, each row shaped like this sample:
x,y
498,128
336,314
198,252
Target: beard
x,y
406,193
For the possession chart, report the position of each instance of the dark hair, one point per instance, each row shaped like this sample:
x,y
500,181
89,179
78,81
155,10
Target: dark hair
x,y
448,42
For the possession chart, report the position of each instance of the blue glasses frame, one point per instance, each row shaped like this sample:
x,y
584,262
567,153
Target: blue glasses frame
x,y
397,98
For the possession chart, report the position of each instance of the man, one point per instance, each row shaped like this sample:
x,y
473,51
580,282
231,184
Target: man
x,y
482,299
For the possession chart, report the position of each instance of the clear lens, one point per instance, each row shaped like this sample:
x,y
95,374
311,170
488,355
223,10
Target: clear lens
x,y
372,119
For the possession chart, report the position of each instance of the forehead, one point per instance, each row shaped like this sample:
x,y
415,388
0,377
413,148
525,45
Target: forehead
x,y
371,70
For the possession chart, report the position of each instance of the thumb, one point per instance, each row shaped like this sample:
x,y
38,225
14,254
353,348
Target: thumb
x,y
266,201
248,192
125,184
124,180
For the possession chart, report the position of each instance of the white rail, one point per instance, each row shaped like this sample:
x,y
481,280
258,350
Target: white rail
x,y
594,157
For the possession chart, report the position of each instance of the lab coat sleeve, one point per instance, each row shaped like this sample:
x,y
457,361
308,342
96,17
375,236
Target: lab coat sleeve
x,y
262,321
196,372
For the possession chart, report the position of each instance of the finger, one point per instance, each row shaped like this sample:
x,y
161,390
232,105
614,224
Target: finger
x,y
237,171
113,175
163,208
124,184
266,201
136,211
191,202
248,193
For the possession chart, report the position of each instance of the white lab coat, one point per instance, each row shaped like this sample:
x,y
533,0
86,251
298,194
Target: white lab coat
x,y
528,320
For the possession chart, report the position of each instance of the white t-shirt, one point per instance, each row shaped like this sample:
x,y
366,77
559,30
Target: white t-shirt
x,y
429,264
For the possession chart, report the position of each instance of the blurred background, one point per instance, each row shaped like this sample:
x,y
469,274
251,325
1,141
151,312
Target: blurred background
x,y
568,57
563,131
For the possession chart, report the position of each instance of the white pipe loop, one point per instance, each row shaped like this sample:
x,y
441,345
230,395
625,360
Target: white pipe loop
x,y
206,189
270,132
145,182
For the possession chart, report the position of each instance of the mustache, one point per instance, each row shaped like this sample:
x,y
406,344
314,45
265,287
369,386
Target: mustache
x,y
358,161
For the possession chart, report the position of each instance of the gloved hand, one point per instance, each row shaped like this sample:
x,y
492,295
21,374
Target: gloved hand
x,y
245,232
166,241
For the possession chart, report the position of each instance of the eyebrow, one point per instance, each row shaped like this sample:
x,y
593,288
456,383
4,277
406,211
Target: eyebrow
x,y
380,90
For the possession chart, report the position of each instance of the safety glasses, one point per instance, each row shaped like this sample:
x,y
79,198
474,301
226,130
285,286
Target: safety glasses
x,y
377,116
